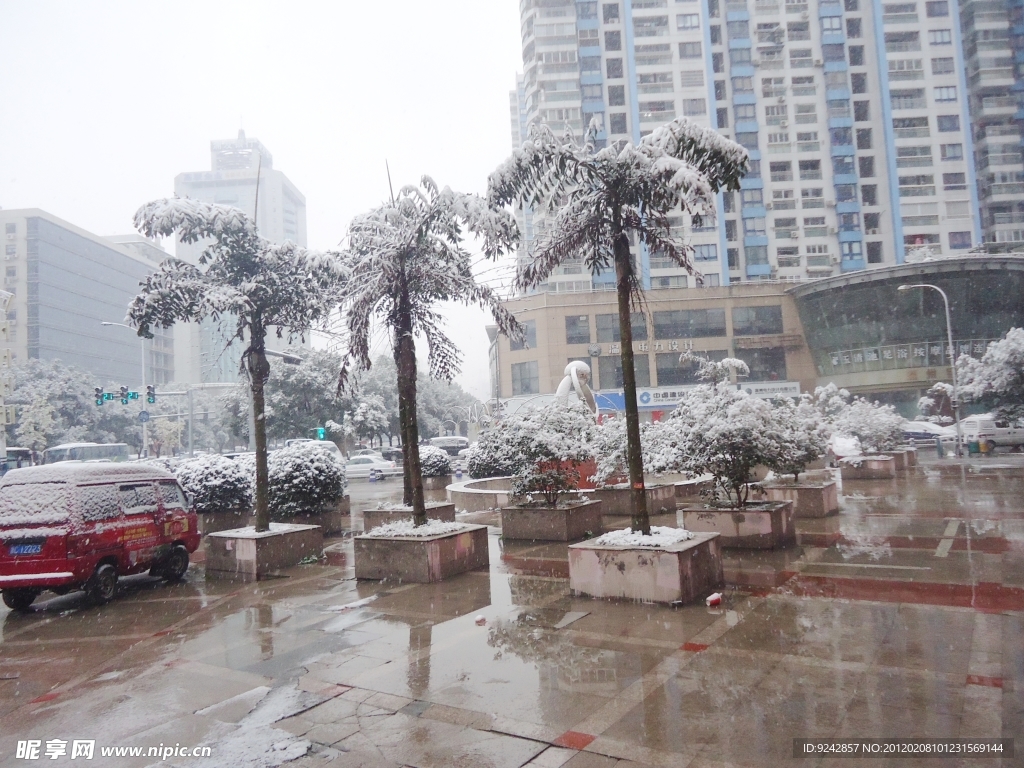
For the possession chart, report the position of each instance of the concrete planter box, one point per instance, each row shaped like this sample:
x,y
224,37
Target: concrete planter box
x,y
438,483
242,553
421,559
911,452
868,468
903,457
376,517
691,489
683,572
615,500
568,523
334,521
211,522
766,525
810,500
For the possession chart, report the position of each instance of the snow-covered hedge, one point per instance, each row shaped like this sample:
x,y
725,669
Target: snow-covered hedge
x,y
551,440
805,435
217,483
495,453
304,479
997,378
879,428
434,462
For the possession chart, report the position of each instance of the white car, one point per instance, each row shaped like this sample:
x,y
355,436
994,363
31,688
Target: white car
x,y
924,433
373,454
361,466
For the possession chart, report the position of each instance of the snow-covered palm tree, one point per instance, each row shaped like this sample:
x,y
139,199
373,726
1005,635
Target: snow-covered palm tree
x,y
597,200
243,278
404,258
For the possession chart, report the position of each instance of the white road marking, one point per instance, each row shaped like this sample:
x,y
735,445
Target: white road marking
x,y
947,542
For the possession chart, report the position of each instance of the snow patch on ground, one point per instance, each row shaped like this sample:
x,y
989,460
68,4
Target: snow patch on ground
x,y
661,536
250,531
407,528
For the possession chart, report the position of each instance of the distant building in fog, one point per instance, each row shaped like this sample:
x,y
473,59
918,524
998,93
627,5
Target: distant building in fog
x,y
203,354
67,281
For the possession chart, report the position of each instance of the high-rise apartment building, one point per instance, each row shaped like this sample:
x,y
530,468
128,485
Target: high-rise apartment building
x,y
205,352
854,113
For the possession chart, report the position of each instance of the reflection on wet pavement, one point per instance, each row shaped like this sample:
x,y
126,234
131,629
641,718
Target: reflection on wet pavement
x,y
902,616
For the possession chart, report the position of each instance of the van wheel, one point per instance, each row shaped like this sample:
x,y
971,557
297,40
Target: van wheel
x,y
102,587
19,599
176,564
990,446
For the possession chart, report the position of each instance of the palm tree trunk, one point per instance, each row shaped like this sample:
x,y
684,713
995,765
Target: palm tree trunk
x,y
403,427
407,395
259,372
640,522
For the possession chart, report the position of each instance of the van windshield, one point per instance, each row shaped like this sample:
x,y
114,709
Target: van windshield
x,y
33,504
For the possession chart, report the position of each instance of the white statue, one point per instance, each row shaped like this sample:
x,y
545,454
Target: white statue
x,y
577,379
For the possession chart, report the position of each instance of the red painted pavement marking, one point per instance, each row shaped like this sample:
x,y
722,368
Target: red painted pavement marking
x,y
162,632
45,697
991,682
694,647
985,596
573,740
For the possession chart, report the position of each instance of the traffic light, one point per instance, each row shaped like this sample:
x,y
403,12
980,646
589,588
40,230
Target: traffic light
x,y
150,393
124,395
321,433
99,395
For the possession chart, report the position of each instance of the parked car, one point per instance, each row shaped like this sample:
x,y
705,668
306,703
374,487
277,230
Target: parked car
x,y
924,433
80,525
372,452
360,466
392,453
451,444
990,432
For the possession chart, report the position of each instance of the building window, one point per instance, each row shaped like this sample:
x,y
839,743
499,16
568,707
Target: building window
x,y
692,107
853,28
586,10
722,117
842,165
748,140
705,252
611,13
613,67
866,166
525,378
781,171
851,251
608,327
688,21
12,272
945,93
577,329
617,96
752,198
730,230
738,30
720,94
810,169
952,151
590,64
840,136
869,194
743,85
10,229
798,30
846,193
530,341
863,138
691,78
856,55
689,323
871,223
609,369
746,112
733,256
959,240
12,250
874,252
674,372
937,8
756,321
860,82
754,227
948,123
943,66
717,63
756,255
613,41
689,51
954,181
862,111
940,37
617,122
764,364
851,6
834,52
716,36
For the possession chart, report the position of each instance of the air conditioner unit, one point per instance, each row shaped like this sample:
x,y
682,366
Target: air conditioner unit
x,y
769,206
818,62
835,259
830,203
833,231
755,62
783,124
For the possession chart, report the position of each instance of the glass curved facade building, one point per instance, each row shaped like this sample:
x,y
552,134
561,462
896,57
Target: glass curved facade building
x,y
865,335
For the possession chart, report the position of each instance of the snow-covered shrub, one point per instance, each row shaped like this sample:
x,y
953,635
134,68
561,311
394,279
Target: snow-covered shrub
x,y
610,449
936,403
495,454
722,431
879,428
304,479
247,461
434,462
805,435
997,378
217,483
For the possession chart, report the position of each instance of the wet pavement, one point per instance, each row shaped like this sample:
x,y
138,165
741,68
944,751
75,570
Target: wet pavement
x,y
902,616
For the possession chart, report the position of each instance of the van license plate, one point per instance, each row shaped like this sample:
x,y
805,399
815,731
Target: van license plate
x,y
26,549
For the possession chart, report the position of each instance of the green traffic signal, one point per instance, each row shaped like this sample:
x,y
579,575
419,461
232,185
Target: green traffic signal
x,y
150,393
321,433
99,396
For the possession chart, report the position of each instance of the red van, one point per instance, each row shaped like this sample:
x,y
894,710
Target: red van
x,y
78,525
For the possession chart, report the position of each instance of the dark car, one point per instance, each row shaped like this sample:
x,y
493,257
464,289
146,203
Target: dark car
x,y
392,453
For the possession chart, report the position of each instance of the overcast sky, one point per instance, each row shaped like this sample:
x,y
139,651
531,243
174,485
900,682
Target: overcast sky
x,y
104,102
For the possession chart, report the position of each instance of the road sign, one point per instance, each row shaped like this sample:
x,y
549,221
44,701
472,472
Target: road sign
x,y
143,416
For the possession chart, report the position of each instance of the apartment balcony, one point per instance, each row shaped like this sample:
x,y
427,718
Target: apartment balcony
x,y
1008,192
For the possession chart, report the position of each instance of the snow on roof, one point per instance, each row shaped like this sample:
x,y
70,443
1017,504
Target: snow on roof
x,y
84,472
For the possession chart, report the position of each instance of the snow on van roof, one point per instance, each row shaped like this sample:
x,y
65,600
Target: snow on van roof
x,y
84,472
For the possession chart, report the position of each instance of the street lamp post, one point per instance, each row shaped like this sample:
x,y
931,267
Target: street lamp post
x,y
952,352
142,340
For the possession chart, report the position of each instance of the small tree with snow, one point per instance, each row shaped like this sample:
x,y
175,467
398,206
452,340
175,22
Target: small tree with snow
x,y
997,378
368,419
495,454
305,479
434,462
936,403
552,441
805,435
722,431
598,200
256,284
405,258
217,484
879,428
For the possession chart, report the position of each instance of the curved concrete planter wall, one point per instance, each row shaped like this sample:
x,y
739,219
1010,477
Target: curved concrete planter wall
x,y
481,495
683,572
438,483
616,500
